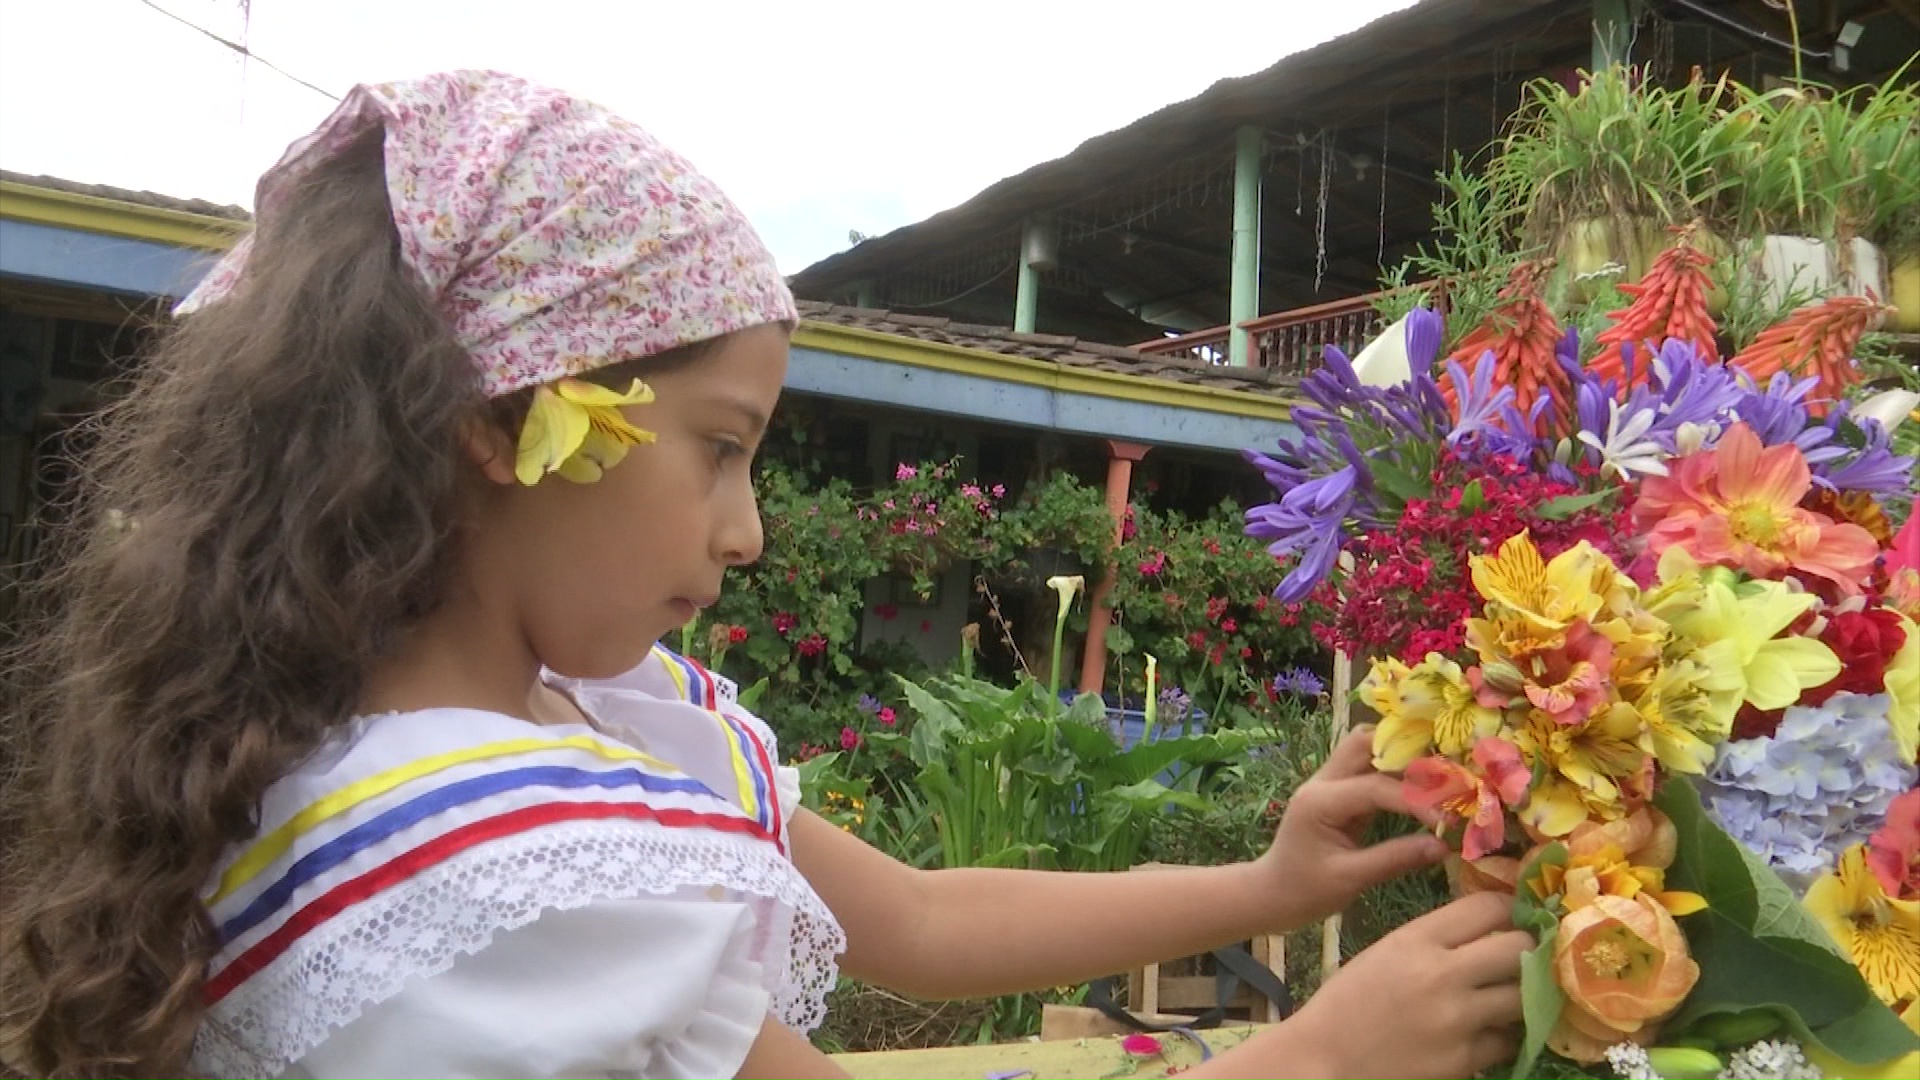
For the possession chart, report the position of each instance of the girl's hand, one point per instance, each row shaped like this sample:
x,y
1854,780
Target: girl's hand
x,y
1319,862
1439,997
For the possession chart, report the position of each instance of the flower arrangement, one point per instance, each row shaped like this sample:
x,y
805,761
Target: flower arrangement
x,y
1641,639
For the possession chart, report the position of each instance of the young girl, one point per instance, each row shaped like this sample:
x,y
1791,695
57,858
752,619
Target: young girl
x,y
349,749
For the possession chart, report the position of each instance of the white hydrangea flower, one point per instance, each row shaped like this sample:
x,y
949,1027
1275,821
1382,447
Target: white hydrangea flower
x,y
1771,1060
1629,1061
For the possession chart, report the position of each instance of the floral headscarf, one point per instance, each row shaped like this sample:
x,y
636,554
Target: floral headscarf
x,y
557,237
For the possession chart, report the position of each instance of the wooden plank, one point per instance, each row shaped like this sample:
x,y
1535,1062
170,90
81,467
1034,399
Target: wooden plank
x,y
1061,1022
1076,1059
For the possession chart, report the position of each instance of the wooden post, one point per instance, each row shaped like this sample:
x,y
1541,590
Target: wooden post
x,y
1342,720
1121,457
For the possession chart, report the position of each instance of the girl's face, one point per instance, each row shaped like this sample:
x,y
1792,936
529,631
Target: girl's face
x,y
596,573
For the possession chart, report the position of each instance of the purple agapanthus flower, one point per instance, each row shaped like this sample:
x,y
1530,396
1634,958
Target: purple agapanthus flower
x,y
1481,406
1299,681
868,704
1326,478
1844,452
1309,519
1175,704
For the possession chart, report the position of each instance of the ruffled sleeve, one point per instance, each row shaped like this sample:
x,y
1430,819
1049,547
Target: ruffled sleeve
x,y
642,987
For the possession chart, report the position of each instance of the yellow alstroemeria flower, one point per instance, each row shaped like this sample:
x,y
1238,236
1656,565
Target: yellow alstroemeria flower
x,y
1548,595
1903,685
1879,933
1432,706
575,428
1734,633
1679,712
1587,766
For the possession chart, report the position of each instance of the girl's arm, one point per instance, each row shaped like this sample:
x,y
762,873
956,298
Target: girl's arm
x,y
978,932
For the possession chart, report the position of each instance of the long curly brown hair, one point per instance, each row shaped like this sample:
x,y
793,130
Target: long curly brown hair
x,y
279,495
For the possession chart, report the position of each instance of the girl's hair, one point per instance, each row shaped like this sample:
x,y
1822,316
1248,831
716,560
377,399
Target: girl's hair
x,y
276,499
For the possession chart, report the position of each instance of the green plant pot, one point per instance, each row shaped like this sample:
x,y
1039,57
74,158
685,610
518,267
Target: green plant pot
x,y
1903,292
1590,245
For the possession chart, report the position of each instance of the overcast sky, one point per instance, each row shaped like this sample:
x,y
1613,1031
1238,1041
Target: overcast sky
x,y
818,117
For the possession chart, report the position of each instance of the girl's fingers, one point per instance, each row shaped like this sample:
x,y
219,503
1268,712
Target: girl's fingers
x,y
1494,960
1493,1047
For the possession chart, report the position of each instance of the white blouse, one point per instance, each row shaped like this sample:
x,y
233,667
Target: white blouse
x,y
460,893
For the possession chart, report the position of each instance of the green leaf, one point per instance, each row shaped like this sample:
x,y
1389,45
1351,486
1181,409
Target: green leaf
x,y
1541,999
1119,642
1707,861
1398,482
1149,797
749,699
1473,497
1759,948
1059,768
1566,506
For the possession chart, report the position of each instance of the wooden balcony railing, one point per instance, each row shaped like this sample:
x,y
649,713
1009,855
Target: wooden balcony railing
x,y
1293,342
1201,346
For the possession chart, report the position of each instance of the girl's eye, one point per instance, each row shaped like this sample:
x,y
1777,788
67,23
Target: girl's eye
x,y
726,448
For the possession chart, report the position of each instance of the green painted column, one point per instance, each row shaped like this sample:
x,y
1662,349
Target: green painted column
x,y
1026,299
1243,302
1612,33
1026,296
867,294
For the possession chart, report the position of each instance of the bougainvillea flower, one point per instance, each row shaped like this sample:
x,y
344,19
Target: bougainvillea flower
x,y
1903,570
575,428
1432,705
1624,966
1893,853
1476,797
1738,505
1879,933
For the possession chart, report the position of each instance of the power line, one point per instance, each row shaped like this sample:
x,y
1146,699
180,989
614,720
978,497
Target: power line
x,y
242,50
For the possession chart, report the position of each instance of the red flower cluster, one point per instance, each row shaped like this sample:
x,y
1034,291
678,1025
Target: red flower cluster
x,y
1864,641
1411,593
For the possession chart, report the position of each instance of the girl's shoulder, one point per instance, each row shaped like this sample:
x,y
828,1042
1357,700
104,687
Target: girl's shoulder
x,y
419,837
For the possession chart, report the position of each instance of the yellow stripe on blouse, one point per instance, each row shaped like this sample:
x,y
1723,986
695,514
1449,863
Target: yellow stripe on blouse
x,y
678,670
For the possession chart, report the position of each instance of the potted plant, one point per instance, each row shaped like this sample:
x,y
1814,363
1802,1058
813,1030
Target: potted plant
x,y
1600,172
1834,174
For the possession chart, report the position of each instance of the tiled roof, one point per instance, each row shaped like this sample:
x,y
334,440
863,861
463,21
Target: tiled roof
x,y
1051,347
138,198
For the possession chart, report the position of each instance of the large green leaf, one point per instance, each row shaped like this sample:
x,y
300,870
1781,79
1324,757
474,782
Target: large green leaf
x,y
1759,949
1149,797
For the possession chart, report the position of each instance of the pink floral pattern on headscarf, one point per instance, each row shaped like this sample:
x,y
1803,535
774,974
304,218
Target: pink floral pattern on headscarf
x,y
557,237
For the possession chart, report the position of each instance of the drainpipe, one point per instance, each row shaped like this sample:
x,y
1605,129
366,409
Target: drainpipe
x,y
1093,658
1612,34
1244,300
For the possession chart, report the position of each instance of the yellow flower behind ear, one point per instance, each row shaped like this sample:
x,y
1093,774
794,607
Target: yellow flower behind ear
x,y
575,428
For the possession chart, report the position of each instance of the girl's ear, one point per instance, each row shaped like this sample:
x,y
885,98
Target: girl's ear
x,y
489,448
